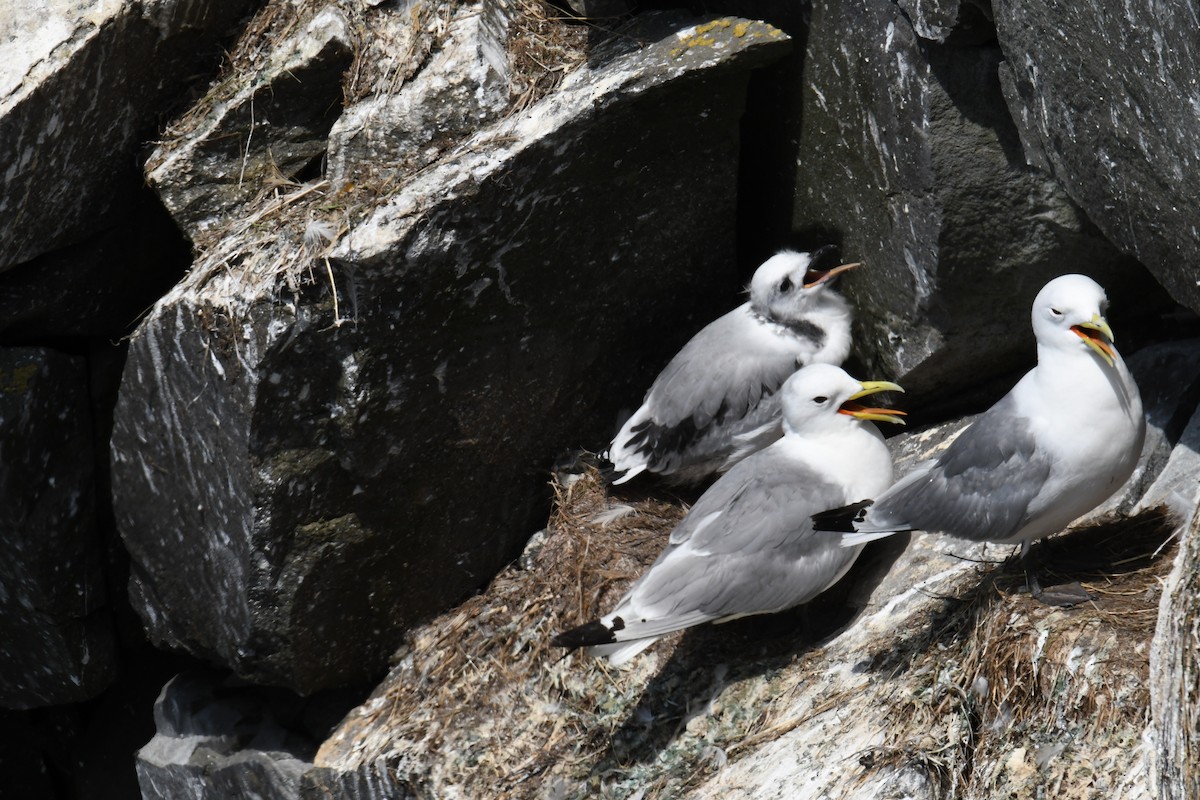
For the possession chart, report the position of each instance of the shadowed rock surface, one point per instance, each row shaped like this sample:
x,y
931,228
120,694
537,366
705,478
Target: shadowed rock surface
x,y
907,153
435,244
58,642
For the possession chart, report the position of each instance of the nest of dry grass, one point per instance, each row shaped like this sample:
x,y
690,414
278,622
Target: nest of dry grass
x,y
998,671
543,48
480,704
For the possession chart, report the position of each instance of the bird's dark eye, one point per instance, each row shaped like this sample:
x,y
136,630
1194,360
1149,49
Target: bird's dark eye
x,y
821,400
785,285
1056,312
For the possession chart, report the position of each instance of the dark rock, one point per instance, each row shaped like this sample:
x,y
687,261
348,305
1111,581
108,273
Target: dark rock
x,y
339,448
99,287
932,19
1176,484
908,156
599,9
216,739
25,774
53,621
1105,97
1174,675
79,93
465,84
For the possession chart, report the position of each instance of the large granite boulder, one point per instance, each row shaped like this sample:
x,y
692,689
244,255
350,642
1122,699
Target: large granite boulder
x,y
84,84
1105,99
58,642
312,425
906,153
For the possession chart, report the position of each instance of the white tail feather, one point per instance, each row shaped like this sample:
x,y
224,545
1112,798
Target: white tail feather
x,y
620,653
631,473
862,537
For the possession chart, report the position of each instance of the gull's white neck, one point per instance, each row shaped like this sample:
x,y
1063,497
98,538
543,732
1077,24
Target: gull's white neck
x,y
1065,373
850,454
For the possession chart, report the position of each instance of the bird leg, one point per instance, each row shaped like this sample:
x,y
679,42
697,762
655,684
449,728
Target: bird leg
x,y
1064,595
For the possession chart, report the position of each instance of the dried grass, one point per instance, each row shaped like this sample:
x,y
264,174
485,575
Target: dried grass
x,y
508,716
543,47
1000,671
270,235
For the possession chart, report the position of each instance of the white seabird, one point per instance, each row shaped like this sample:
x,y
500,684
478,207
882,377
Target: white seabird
x,y
716,402
1062,441
747,545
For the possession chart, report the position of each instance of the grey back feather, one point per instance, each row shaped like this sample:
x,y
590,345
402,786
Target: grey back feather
x,y
745,561
979,489
720,371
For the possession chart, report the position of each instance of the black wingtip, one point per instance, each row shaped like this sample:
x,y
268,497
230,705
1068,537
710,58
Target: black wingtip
x,y
841,520
588,635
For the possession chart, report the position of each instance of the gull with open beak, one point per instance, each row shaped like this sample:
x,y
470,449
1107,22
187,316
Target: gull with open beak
x,y
747,546
1061,442
716,401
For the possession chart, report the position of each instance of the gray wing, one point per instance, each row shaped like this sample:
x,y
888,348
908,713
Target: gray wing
x,y
979,489
723,372
718,396
746,547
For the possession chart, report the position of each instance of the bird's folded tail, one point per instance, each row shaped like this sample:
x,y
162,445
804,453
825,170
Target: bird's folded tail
x,y
589,634
621,636
602,638
602,641
621,652
853,523
842,520
630,473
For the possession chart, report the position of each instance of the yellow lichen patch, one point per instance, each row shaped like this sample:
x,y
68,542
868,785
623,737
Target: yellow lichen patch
x,y
740,29
17,379
724,22
698,36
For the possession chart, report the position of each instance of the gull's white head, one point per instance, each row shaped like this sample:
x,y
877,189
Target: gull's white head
x,y
822,397
1068,314
790,286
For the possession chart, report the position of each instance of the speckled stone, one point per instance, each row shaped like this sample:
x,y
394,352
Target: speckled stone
x,y
907,155
1106,98
84,86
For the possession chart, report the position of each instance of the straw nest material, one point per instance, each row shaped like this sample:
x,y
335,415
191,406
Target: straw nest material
x,y
982,688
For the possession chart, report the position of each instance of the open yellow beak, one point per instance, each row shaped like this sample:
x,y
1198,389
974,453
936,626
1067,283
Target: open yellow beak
x,y
1098,336
853,409
815,276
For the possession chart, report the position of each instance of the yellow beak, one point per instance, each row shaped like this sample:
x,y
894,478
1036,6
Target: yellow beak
x,y
1097,335
822,277
853,409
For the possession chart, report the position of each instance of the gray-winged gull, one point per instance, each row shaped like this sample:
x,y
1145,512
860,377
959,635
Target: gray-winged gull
x,y
715,402
747,545
1063,440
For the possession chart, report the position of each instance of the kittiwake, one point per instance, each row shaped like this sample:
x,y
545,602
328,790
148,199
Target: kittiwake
x,y
747,545
716,401
1064,439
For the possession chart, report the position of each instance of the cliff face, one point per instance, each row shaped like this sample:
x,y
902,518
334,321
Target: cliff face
x,y
301,302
